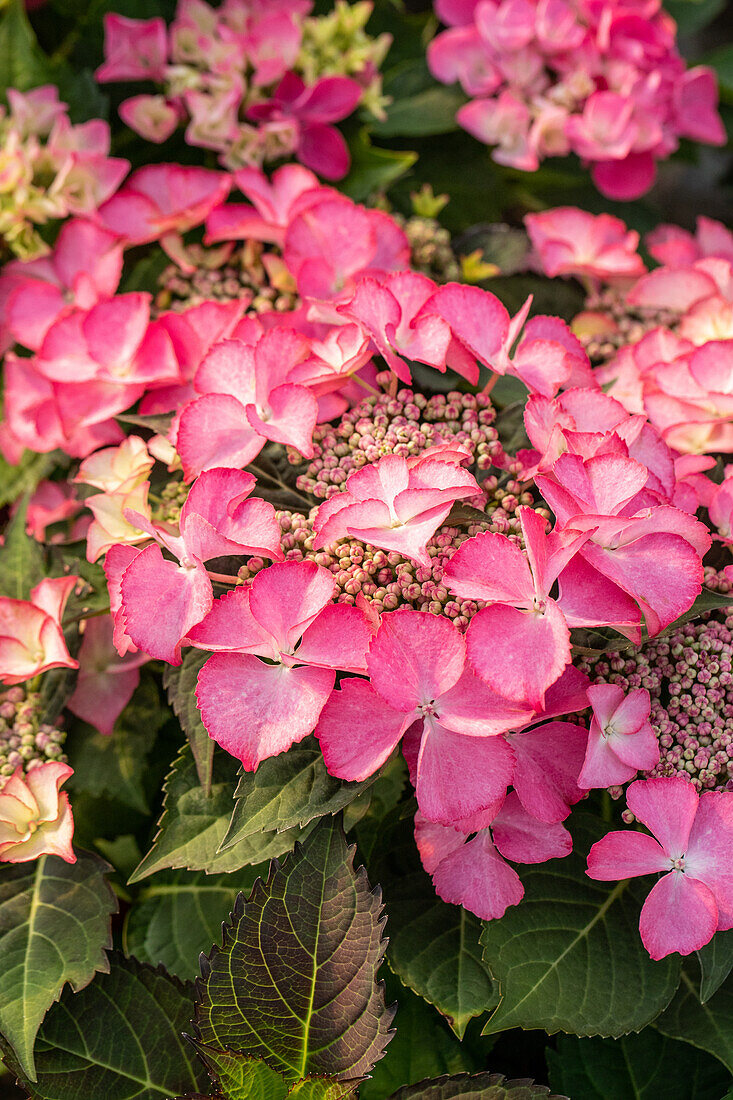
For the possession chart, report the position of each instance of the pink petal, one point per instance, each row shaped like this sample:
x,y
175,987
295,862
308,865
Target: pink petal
x,y
475,877
519,653
477,319
523,839
680,914
490,567
626,854
162,601
337,638
213,431
588,598
602,767
639,749
435,842
548,761
231,627
415,658
255,710
458,776
358,731
667,807
286,597
292,416
323,149
710,850
471,707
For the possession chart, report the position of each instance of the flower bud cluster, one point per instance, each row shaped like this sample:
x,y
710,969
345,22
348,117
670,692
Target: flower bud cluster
x,y
406,424
689,676
431,251
25,741
172,498
608,323
224,277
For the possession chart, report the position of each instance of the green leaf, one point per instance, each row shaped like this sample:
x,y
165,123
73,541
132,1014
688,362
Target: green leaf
x,y
708,1026
481,1086
372,168
116,765
21,558
295,979
722,61
321,1088
637,1066
716,963
193,824
241,1077
419,105
180,684
177,915
23,476
121,1037
569,954
54,926
423,1046
23,64
367,812
287,791
433,947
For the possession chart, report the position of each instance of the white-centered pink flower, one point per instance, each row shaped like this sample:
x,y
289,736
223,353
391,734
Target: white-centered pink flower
x,y
35,815
31,637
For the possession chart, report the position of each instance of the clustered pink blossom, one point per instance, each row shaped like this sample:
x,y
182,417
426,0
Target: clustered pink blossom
x,y
235,76
602,80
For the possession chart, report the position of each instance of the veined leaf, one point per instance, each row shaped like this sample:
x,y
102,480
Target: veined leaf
x,y
569,954
481,1086
193,824
287,791
716,963
120,1037
241,1077
295,979
21,558
54,926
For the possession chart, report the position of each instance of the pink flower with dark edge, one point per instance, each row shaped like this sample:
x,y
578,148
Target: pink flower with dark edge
x,y
621,741
395,503
31,638
693,845
134,49
569,241
162,600
254,709
419,674
84,266
520,643
471,872
275,202
106,682
35,815
313,108
246,399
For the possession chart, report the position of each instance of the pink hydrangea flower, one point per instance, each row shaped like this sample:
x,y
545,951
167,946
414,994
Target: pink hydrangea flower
x,y
275,202
395,503
255,709
693,850
468,870
569,241
31,638
419,674
134,49
35,815
621,741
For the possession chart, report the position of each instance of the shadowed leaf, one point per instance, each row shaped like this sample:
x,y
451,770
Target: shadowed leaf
x,y
180,684
481,1086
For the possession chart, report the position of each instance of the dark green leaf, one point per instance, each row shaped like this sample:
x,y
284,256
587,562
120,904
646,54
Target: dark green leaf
x,y
419,105
24,475
433,947
119,1039
54,925
481,1086
366,813
569,954
23,64
160,424
193,824
708,1026
635,1066
21,558
144,276
716,963
372,168
287,791
180,683
116,765
177,915
295,980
